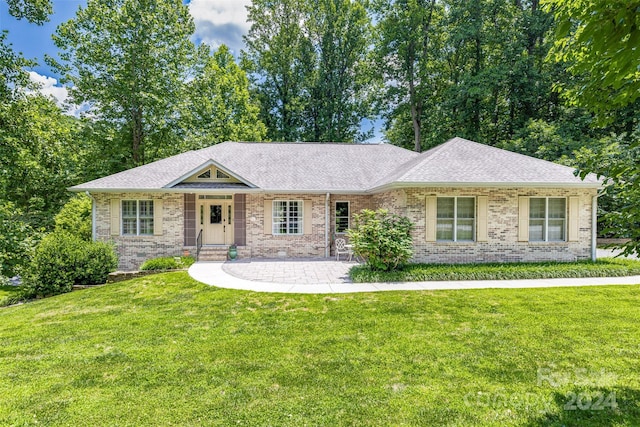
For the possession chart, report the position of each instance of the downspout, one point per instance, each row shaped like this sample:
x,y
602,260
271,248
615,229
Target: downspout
x,y
326,227
93,216
594,227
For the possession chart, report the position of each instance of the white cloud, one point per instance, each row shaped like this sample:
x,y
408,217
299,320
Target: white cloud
x,y
220,22
48,86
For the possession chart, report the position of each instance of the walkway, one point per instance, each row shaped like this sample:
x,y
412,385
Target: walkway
x,y
328,276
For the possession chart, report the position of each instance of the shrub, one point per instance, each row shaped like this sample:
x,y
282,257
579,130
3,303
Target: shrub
x,y
382,239
75,217
62,260
167,263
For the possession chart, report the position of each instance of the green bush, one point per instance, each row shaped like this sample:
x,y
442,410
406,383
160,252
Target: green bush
x,y
167,263
62,260
75,217
382,239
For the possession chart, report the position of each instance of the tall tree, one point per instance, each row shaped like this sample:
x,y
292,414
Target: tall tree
x,y
339,31
599,41
407,53
219,106
279,55
129,59
309,67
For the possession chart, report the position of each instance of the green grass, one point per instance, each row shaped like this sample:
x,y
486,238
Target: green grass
x,y
165,350
605,267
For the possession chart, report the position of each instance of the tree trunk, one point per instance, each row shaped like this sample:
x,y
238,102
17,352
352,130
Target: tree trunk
x,y
137,133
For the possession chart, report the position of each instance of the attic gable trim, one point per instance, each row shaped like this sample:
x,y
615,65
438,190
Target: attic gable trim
x,y
209,163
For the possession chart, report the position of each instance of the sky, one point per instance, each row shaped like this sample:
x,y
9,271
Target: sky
x,y
217,22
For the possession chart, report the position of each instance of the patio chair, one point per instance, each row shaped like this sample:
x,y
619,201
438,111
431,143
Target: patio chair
x,y
341,248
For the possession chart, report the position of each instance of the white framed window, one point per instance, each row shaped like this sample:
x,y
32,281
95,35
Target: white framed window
x,y
137,217
342,217
456,219
287,217
547,219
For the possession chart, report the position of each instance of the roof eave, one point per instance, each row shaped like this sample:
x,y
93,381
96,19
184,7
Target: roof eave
x,y
395,185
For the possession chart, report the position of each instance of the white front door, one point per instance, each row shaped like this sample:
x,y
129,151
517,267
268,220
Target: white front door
x,y
216,219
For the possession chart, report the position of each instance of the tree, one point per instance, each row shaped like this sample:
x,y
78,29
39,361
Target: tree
x,y
129,59
39,157
308,64
220,107
407,50
279,55
599,41
339,31
34,11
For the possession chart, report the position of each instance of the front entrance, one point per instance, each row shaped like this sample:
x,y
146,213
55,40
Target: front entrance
x,y
216,219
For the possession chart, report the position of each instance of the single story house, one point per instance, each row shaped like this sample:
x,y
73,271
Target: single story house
x,y
469,202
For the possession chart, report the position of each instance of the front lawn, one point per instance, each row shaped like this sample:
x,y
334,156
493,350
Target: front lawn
x,y
166,350
604,267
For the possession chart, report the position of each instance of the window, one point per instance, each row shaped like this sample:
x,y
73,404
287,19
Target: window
x,y
287,217
342,217
205,175
547,219
137,217
221,175
455,219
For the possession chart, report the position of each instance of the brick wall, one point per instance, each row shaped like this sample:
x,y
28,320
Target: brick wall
x,y
134,250
264,245
502,244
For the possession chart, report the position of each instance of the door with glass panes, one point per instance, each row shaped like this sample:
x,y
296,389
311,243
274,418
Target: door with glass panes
x,y
216,220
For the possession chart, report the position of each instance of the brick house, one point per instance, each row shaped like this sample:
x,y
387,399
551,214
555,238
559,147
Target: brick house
x,y
469,202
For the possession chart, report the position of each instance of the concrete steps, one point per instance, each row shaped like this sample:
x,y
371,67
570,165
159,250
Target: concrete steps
x,y
213,253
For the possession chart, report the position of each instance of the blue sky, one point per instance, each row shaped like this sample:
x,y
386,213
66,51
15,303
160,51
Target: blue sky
x,y
217,22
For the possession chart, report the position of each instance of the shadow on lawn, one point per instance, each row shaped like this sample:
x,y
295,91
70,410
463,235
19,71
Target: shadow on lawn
x,y
592,406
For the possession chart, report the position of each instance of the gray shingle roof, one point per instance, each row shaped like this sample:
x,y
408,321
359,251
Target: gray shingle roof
x,y
314,167
463,162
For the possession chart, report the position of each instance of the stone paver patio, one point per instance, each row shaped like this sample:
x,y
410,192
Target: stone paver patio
x,y
293,271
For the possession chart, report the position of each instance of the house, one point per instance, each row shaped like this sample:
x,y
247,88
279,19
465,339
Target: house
x,y
469,202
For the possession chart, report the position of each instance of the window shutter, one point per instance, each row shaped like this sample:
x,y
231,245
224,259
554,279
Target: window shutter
x,y
481,221
268,206
157,217
523,219
431,213
115,217
574,218
307,212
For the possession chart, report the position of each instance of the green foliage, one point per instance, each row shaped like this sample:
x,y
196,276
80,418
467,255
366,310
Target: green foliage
x,y
130,60
382,239
167,263
598,41
63,260
34,11
17,239
75,217
309,66
220,107
38,157
606,267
